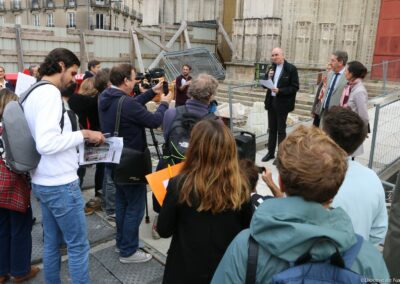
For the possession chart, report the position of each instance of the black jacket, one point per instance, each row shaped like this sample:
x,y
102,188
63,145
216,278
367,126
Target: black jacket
x,y
199,239
288,86
134,117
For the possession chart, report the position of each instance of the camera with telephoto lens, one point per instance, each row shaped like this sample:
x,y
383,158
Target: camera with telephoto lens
x,y
152,78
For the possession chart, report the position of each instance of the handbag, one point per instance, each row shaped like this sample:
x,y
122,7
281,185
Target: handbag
x,y
134,164
14,189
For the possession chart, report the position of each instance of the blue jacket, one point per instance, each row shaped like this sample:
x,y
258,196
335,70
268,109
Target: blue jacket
x,y
134,117
286,228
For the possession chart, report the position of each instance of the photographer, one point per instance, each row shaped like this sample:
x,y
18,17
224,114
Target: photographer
x,y
130,199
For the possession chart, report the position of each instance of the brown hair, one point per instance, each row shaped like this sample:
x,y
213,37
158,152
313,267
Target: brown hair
x,y
6,96
119,72
250,170
87,87
311,164
212,180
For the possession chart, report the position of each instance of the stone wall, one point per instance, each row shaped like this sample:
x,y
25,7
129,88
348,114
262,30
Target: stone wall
x,y
307,30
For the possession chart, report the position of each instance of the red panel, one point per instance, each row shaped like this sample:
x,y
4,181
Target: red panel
x,y
387,45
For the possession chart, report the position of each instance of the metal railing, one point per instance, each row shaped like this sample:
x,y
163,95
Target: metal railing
x,y
385,141
70,4
100,3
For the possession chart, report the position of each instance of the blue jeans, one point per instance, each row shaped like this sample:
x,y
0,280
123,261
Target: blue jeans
x,y
129,210
64,218
15,242
109,190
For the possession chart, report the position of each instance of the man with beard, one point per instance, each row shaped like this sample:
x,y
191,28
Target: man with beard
x,y
55,181
182,83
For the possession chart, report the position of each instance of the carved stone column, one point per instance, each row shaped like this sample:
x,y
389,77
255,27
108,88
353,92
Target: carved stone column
x,y
237,39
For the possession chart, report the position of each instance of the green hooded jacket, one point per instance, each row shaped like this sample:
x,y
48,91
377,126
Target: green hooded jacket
x,y
285,229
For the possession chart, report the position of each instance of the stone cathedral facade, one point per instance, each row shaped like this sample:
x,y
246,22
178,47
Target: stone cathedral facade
x,y
307,30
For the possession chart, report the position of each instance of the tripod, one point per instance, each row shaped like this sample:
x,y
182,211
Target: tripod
x,y
155,143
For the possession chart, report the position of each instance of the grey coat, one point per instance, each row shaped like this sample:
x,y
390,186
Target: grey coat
x,y
337,92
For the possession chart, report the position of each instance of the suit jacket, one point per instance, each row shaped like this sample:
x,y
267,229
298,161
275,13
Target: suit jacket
x,y
288,86
337,92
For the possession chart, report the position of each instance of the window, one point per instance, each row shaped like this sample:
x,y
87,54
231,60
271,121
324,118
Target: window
x,y
116,21
18,19
99,21
1,20
36,20
50,20
124,24
70,20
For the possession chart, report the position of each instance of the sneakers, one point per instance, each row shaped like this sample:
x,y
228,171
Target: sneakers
x,y
154,232
137,257
92,205
19,279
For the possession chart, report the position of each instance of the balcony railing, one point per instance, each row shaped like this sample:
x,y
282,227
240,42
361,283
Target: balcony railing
x,y
133,14
16,5
71,26
70,4
35,5
100,3
95,27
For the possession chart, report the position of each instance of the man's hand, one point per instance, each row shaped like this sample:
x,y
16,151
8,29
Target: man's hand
x,y
158,89
275,90
267,178
94,137
166,98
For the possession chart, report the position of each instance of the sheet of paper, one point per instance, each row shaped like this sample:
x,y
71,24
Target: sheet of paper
x,y
23,83
158,181
183,82
267,83
109,152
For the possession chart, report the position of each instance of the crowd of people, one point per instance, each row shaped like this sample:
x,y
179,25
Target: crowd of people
x,y
326,205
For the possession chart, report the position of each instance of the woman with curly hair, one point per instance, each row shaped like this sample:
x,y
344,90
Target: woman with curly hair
x,y
206,206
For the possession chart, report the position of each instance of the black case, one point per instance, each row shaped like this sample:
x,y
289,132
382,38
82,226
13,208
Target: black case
x,y
246,145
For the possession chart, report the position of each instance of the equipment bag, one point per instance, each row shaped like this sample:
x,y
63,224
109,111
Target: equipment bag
x,y
337,269
20,147
134,164
177,143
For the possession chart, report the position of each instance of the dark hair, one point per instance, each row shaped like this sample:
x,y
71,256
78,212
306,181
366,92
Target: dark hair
x,y
92,63
187,65
120,72
311,165
357,69
101,79
250,170
341,56
345,127
50,65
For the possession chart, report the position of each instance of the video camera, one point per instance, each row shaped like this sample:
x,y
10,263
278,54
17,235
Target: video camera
x,y
152,78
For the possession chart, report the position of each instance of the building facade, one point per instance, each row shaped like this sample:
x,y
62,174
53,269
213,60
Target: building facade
x,y
79,14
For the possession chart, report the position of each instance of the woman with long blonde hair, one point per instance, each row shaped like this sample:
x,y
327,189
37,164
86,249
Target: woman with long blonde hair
x,y
206,206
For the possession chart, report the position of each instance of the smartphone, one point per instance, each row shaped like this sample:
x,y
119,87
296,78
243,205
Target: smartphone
x,y
261,169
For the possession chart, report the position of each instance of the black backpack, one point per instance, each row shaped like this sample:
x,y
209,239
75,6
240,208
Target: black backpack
x,y
177,142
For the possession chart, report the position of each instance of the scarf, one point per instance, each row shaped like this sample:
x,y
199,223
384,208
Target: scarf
x,y
322,92
346,92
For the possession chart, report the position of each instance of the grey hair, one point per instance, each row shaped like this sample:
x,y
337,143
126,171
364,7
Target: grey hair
x,y
341,56
203,87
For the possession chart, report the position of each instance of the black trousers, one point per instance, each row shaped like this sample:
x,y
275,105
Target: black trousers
x,y
276,126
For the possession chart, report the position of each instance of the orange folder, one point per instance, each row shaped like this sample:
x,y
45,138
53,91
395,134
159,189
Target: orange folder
x,y
158,181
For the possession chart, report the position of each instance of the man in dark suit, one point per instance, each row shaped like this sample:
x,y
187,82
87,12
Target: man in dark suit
x,y
280,99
